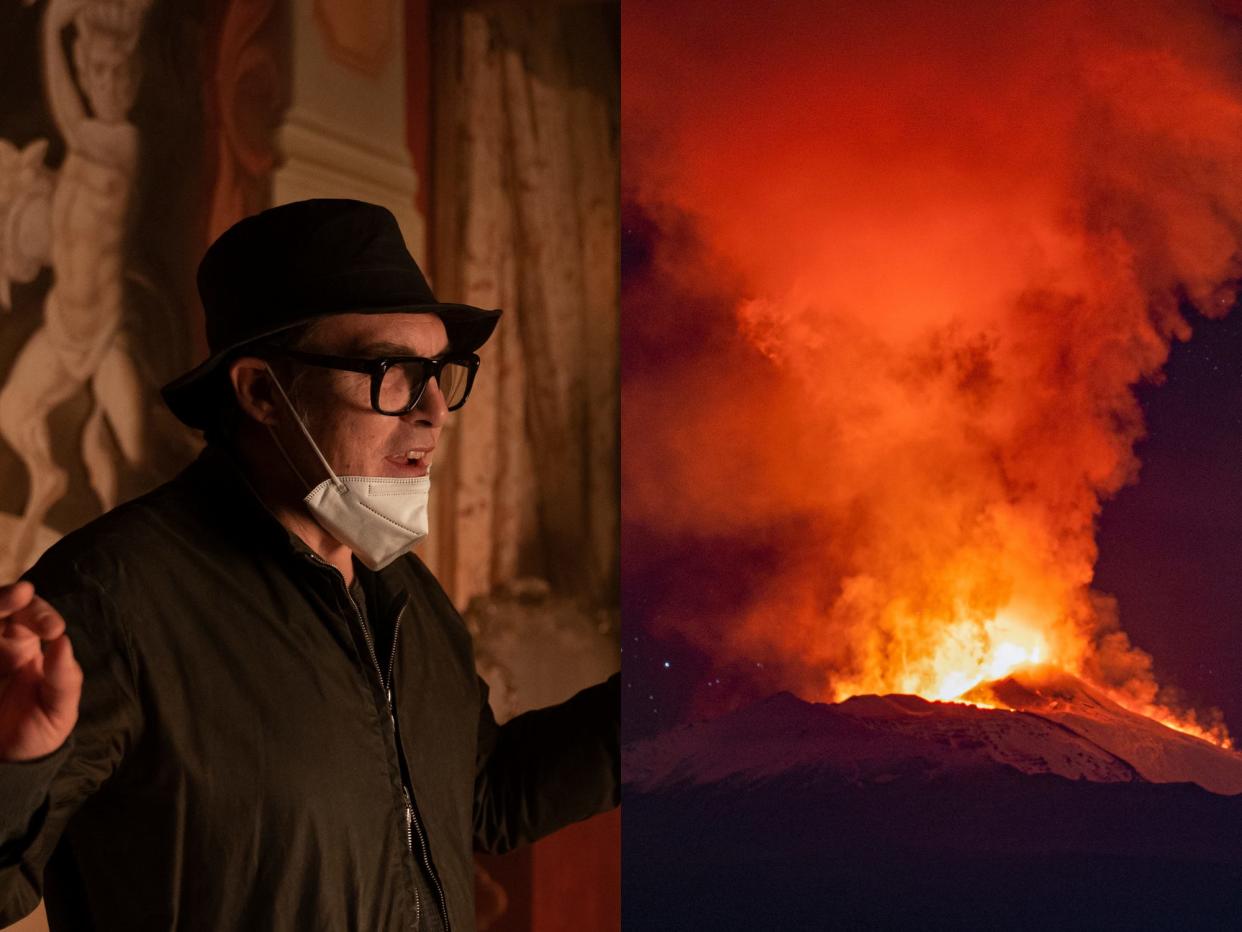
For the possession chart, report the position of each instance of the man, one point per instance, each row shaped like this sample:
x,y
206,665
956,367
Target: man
x,y
280,726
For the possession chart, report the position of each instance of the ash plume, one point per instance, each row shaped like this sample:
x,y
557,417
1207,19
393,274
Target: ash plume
x,y
954,238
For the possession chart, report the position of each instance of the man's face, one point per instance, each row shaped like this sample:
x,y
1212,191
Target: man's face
x,y
336,405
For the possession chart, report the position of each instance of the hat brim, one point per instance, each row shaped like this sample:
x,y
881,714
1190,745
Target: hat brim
x,y
194,396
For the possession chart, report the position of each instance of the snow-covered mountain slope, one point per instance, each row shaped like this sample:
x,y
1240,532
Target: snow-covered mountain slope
x,y
1061,810
1159,754
1054,724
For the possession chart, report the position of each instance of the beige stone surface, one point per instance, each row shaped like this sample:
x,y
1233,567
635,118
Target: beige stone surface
x,y
527,171
536,649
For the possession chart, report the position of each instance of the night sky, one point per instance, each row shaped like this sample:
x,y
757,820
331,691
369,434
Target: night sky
x,y
1170,545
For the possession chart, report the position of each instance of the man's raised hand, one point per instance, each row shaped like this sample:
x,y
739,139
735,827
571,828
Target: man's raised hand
x,y
40,682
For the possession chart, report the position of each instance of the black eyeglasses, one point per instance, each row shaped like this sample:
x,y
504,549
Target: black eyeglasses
x,y
398,382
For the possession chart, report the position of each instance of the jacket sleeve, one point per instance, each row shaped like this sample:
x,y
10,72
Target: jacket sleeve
x,y
546,768
40,796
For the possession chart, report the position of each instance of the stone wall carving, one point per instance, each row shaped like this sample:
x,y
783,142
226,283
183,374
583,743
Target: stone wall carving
x,y
359,33
74,221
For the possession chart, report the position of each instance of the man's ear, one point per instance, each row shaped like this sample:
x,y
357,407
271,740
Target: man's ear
x,y
252,384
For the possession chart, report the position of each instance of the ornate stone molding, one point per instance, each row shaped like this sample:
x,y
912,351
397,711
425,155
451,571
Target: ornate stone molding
x,y
251,92
322,158
358,33
345,132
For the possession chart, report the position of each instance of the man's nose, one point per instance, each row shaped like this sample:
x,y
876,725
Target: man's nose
x,y
432,409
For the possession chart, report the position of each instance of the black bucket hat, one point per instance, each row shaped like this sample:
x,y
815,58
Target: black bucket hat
x,y
293,264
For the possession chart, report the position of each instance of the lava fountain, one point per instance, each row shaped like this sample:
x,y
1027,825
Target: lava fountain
x,y
956,237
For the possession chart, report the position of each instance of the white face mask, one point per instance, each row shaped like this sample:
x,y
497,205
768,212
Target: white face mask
x,y
379,518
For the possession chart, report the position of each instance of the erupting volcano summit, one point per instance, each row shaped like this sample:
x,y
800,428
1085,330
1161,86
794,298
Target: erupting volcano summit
x,y
1053,808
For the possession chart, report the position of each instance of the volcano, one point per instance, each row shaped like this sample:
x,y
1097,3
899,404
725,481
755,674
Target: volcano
x,y
1036,802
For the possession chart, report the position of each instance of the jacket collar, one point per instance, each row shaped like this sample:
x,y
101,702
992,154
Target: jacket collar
x,y
220,479
223,485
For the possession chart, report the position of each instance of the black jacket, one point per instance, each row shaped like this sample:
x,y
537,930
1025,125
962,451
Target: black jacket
x,y
235,765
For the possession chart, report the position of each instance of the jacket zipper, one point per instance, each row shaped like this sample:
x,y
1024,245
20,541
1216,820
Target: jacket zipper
x,y
412,820
412,823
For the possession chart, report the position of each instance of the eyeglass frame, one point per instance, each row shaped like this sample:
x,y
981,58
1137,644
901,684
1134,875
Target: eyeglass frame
x,y
376,369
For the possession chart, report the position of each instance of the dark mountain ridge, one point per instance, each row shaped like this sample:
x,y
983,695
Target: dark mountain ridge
x,y
894,812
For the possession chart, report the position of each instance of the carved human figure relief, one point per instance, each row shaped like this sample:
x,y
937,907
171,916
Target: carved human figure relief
x,y
74,220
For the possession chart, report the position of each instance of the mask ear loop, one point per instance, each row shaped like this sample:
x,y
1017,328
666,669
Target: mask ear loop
x,y
336,481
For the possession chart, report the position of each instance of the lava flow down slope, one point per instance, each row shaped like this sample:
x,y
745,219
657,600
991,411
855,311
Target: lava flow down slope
x,y
1050,806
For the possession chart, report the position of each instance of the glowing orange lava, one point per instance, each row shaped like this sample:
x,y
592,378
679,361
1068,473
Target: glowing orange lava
x,y
958,655
962,654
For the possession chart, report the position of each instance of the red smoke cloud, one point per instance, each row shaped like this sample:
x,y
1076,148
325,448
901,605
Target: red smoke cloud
x,y
959,235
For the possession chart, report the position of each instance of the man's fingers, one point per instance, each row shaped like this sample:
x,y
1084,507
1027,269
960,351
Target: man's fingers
x,y
62,680
15,597
40,618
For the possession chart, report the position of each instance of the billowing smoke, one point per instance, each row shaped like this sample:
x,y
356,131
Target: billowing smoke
x,y
958,235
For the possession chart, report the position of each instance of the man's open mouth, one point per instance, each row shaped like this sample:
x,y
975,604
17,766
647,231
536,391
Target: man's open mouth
x,y
413,461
